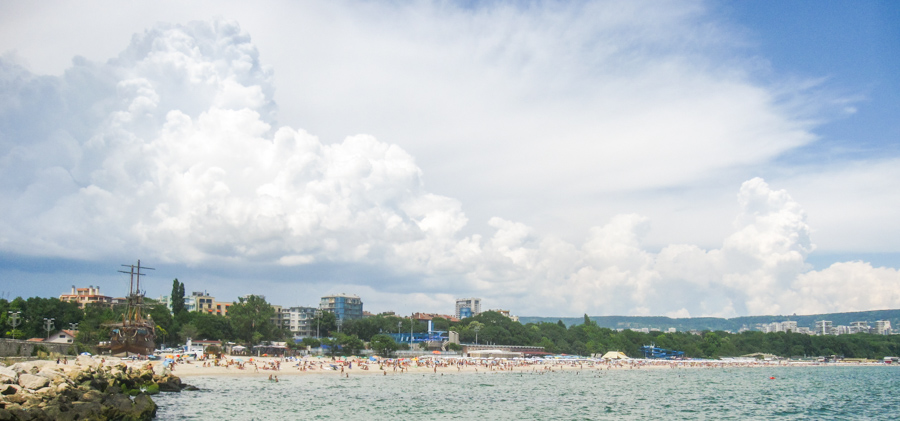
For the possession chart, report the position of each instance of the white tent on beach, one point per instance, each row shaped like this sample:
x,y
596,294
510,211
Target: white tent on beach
x,y
615,355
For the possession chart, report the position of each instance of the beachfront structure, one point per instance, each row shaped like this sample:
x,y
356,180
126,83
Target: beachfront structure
x,y
199,301
64,336
85,296
785,326
860,327
467,307
471,350
299,320
823,327
343,306
507,314
883,327
654,352
424,317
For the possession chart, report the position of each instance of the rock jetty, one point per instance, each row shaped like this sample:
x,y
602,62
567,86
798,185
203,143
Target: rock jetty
x,y
85,390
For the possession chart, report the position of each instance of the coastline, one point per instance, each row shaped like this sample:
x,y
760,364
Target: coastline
x,y
319,366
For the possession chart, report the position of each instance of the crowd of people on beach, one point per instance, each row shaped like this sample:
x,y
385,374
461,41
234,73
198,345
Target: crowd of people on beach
x,y
344,366
436,364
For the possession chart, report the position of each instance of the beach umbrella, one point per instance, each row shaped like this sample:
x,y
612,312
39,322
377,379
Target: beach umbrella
x,y
373,358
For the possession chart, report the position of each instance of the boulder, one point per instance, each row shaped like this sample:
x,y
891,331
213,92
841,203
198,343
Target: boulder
x,y
50,372
86,410
78,375
160,370
144,408
169,384
117,406
33,382
18,398
46,390
32,367
9,389
90,396
8,375
86,361
63,387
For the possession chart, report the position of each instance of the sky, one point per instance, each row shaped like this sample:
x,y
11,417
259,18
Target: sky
x,y
683,159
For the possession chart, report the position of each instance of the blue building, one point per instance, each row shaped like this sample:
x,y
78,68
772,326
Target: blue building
x,y
343,306
467,307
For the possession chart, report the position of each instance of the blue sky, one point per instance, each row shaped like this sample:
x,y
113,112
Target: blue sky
x,y
855,46
555,158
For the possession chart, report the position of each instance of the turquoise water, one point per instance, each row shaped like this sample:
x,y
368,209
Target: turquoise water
x,y
819,393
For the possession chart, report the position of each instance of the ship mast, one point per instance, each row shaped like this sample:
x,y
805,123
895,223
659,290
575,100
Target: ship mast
x,y
135,297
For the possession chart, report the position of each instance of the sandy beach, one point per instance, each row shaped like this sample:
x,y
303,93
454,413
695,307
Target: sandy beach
x,y
356,366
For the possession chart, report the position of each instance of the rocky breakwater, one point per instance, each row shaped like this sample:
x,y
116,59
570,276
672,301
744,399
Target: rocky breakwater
x,y
85,390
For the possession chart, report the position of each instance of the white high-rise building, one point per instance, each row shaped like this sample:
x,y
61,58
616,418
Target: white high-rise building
x,y
467,307
859,327
883,327
823,327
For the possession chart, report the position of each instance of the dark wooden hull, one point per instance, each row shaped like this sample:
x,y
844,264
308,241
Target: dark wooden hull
x,y
132,339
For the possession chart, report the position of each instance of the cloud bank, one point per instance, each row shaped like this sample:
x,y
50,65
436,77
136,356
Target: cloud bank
x,y
171,150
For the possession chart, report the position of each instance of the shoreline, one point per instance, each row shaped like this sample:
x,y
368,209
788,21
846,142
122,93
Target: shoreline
x,y
317,366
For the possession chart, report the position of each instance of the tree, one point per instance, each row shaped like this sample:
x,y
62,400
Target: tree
x,y
325,323
177,299
383,345
310,343
164,323
188,331
210,326
365,328
251,319
350,344
332,345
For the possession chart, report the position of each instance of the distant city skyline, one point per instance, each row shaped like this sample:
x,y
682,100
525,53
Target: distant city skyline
x,y
684,159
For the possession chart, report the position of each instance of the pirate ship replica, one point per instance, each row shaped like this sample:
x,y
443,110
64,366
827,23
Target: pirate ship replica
x,y
134,334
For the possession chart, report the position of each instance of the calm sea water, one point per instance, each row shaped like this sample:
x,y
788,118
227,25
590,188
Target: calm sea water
x,y
817,393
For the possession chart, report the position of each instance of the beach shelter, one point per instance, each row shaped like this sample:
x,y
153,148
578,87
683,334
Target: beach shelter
x,y
615,355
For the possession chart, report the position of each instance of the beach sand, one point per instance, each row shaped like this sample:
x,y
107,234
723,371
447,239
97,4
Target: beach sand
x,y
352,366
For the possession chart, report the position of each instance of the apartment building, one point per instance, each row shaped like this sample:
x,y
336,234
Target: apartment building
x,y
85,296
343,306
467,307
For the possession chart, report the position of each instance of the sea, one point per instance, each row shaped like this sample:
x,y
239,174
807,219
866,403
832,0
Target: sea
x,y
739,393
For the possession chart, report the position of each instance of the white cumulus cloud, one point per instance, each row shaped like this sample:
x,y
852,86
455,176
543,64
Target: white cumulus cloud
x,y
172,150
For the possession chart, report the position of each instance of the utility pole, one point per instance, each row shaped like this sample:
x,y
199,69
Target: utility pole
x,y
48,326
318,322
14,320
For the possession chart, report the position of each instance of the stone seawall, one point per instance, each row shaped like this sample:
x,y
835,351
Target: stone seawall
x,y
87,389
19,348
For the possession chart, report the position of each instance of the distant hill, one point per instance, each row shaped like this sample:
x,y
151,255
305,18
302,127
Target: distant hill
x,y
714,323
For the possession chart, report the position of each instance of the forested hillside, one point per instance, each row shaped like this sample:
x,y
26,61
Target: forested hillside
x,y
714,323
